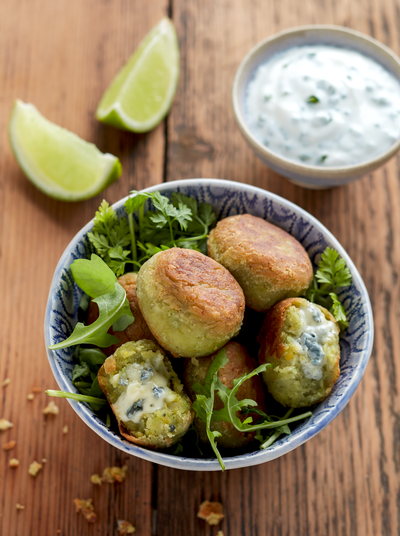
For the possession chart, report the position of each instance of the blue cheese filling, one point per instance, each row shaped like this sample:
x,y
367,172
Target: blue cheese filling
x,y
147,389
316,331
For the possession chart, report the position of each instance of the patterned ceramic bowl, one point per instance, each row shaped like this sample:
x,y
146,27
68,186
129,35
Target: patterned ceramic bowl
x,y
228,199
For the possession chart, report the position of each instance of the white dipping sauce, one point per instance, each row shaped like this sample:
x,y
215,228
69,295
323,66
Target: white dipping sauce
x,y
324,106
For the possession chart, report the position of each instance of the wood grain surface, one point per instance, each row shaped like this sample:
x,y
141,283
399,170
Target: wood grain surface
x,y
60,55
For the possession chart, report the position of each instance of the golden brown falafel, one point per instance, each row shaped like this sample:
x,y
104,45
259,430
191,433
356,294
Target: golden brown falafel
x,y
136,331
191,303
146,395
239,363
268,263
301,340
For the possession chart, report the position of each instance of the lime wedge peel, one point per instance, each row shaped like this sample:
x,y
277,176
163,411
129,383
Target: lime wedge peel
x,y
141,94
57,161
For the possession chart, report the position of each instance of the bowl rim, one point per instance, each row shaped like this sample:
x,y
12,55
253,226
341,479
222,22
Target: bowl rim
x,y
326,172
211,464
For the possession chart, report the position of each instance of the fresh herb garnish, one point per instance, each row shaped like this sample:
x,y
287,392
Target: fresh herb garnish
x,y
180,222
312,99
304,157
324,156
331,275
112,306
204,404
78,397
110,236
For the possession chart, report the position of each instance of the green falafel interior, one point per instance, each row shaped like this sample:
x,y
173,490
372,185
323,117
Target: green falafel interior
x,y
145,395
301,342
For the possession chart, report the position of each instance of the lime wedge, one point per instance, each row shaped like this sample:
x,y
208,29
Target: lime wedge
x,y
141,94
57,161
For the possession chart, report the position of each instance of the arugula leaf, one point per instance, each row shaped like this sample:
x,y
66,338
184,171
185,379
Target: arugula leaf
x,y
77,396
332,274
84,374
111,307
80,371
93,357
123,322
204,405
93,276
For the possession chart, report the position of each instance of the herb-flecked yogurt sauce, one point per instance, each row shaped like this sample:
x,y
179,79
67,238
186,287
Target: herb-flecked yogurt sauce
x,y
324,105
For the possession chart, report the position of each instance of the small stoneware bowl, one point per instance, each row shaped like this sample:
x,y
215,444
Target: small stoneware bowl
x,y
308,176
228,199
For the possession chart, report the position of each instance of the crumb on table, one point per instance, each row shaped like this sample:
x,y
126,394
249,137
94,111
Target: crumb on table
x,y
96,479
211,512
36,390
51,409
34,468
5,425
10,445
6,382
31,396
87,509
65,429
124,527
111,475
13,462
19,506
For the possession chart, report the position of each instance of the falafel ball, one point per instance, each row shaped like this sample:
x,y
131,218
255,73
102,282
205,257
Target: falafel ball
x,y
301,340
268,263
146,395
136,331
191,303
239,363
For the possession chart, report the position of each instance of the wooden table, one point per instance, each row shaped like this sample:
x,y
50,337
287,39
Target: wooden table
x,y
61,55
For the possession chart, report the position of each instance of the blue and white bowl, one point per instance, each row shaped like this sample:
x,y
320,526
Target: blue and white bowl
x,y
228,199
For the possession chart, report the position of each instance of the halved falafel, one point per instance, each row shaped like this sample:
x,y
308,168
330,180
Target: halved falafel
x,y
301,340
146,395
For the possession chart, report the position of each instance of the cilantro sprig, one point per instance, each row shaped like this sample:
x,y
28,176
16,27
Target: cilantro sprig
x,y
331,275
125,243
204,407
110,236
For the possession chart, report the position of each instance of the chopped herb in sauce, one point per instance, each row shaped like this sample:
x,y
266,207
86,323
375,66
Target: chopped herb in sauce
x,y
312,99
